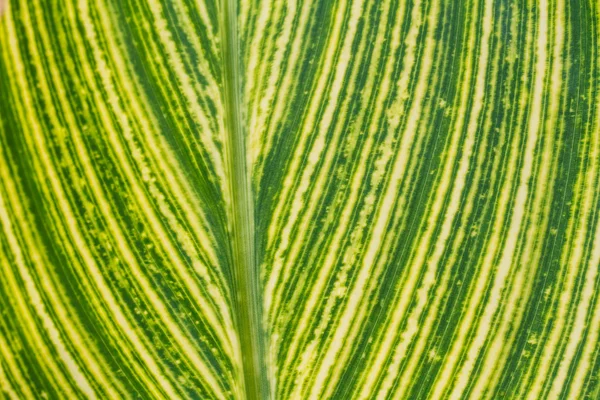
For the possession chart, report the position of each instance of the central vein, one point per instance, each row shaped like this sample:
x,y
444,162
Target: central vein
x,y
247,291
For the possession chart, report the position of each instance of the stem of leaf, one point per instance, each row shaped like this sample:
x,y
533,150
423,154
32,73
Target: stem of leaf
x,y
247,278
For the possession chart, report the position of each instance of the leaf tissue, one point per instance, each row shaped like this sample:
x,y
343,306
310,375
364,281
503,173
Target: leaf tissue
x,y
299,199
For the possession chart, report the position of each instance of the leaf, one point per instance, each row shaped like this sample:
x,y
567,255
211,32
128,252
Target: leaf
x,y
289,200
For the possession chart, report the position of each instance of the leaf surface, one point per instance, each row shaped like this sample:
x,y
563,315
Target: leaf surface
x,y
313,199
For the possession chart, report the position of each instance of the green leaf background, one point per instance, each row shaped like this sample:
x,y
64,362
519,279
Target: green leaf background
x,y
300,199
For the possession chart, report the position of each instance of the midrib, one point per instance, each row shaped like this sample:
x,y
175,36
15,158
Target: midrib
x,y
248,300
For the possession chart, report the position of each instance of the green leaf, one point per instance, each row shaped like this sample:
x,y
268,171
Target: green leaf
x,y
316,199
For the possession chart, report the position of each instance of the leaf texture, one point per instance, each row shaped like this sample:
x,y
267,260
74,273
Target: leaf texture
x,y
317,199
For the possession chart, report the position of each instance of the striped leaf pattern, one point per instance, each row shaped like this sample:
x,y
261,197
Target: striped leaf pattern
x,y
316,199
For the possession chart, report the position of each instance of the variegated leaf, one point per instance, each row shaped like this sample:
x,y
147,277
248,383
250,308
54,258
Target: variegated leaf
x,y
315,199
